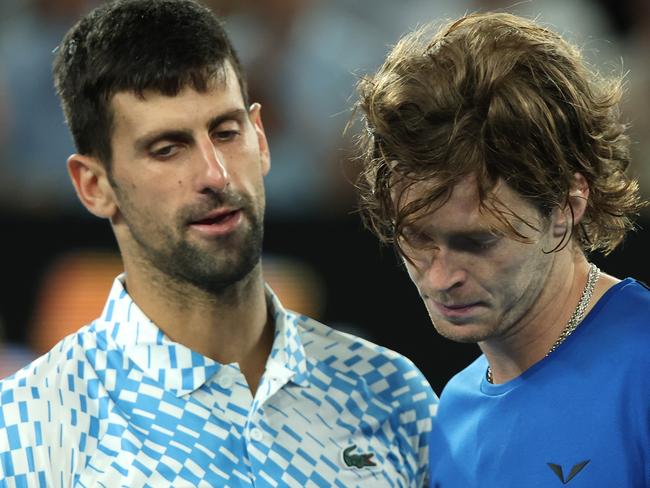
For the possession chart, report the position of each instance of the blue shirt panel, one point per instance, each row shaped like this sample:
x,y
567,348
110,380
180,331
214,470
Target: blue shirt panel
x,y
580,416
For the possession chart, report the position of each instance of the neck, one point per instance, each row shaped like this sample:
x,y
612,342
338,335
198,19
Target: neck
x,y
533,335
230,327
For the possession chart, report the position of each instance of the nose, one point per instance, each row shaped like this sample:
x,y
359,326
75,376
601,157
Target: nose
x,y
212,175
444,271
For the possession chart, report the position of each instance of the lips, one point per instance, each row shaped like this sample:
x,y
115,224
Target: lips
x,y
218,222
456,307
457,310
216,217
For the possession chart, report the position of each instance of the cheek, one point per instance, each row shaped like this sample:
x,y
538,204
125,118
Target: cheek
x,y
143,207
412,272
505,268
520,271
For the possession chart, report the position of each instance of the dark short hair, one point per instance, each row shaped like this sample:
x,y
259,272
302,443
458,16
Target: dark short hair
x,y
133,46
502,98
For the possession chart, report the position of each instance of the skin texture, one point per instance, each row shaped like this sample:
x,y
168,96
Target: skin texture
x,y
185,197
171,183
510,297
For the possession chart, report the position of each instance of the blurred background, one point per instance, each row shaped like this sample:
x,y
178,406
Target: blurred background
x,y
302,58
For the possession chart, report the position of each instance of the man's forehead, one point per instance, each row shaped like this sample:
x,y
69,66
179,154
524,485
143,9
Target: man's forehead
x,y
461,209
463,194
222,81
156,111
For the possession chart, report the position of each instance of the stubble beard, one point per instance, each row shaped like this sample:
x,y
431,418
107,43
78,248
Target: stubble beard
x,y
497,325
215,268
448,330
213,272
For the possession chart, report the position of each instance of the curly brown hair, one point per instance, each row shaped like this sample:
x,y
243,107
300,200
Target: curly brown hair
x,y
502,98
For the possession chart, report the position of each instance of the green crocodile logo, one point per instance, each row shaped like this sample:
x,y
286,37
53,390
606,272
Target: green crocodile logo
x,y
357,460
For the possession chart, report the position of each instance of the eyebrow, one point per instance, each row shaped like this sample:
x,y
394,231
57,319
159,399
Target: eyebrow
x,y
142,143
471,232
473,236
478,231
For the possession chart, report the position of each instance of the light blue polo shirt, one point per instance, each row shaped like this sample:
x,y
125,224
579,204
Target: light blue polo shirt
x,y
120,404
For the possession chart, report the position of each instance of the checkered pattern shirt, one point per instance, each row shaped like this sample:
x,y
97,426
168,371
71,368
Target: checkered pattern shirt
x,y
118,404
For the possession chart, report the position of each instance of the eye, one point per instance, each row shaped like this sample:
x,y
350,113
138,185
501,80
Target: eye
x,y
416,237
225,135
165,152
485,243
478,244
226,131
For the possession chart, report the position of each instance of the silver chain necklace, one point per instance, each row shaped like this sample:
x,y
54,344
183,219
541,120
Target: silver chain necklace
x,y
576,317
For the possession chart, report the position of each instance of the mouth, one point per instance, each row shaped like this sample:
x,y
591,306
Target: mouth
x,y
457,310
218,222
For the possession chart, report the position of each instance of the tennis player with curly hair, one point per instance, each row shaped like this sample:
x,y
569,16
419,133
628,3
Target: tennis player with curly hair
x,y
495,160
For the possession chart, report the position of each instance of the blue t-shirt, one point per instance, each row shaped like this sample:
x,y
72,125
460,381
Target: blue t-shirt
x,y
579,417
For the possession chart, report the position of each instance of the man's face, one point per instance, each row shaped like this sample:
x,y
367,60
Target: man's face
x,y
476,284
187,174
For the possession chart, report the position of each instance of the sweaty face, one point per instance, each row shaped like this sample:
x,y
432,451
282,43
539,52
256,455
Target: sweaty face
x,y
475,283
187,174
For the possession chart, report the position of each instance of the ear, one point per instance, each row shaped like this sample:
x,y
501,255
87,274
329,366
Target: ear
x,y
255,114
93,187
576,205
578,197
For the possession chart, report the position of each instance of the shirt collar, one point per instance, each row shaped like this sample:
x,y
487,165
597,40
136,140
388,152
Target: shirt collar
x,y
178,368
287,356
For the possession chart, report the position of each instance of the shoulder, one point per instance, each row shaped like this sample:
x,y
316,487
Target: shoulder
x,y
623,316
630,295
49,400
617,337
637,293
386,373
45,379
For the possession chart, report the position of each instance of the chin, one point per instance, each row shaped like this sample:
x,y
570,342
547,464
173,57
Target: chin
x,y
465,334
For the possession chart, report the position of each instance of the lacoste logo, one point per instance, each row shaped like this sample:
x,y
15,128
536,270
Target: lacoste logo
x,y
357,460
557,469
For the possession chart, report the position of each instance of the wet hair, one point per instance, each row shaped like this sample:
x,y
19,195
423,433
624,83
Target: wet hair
x,y
504,99
135,46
